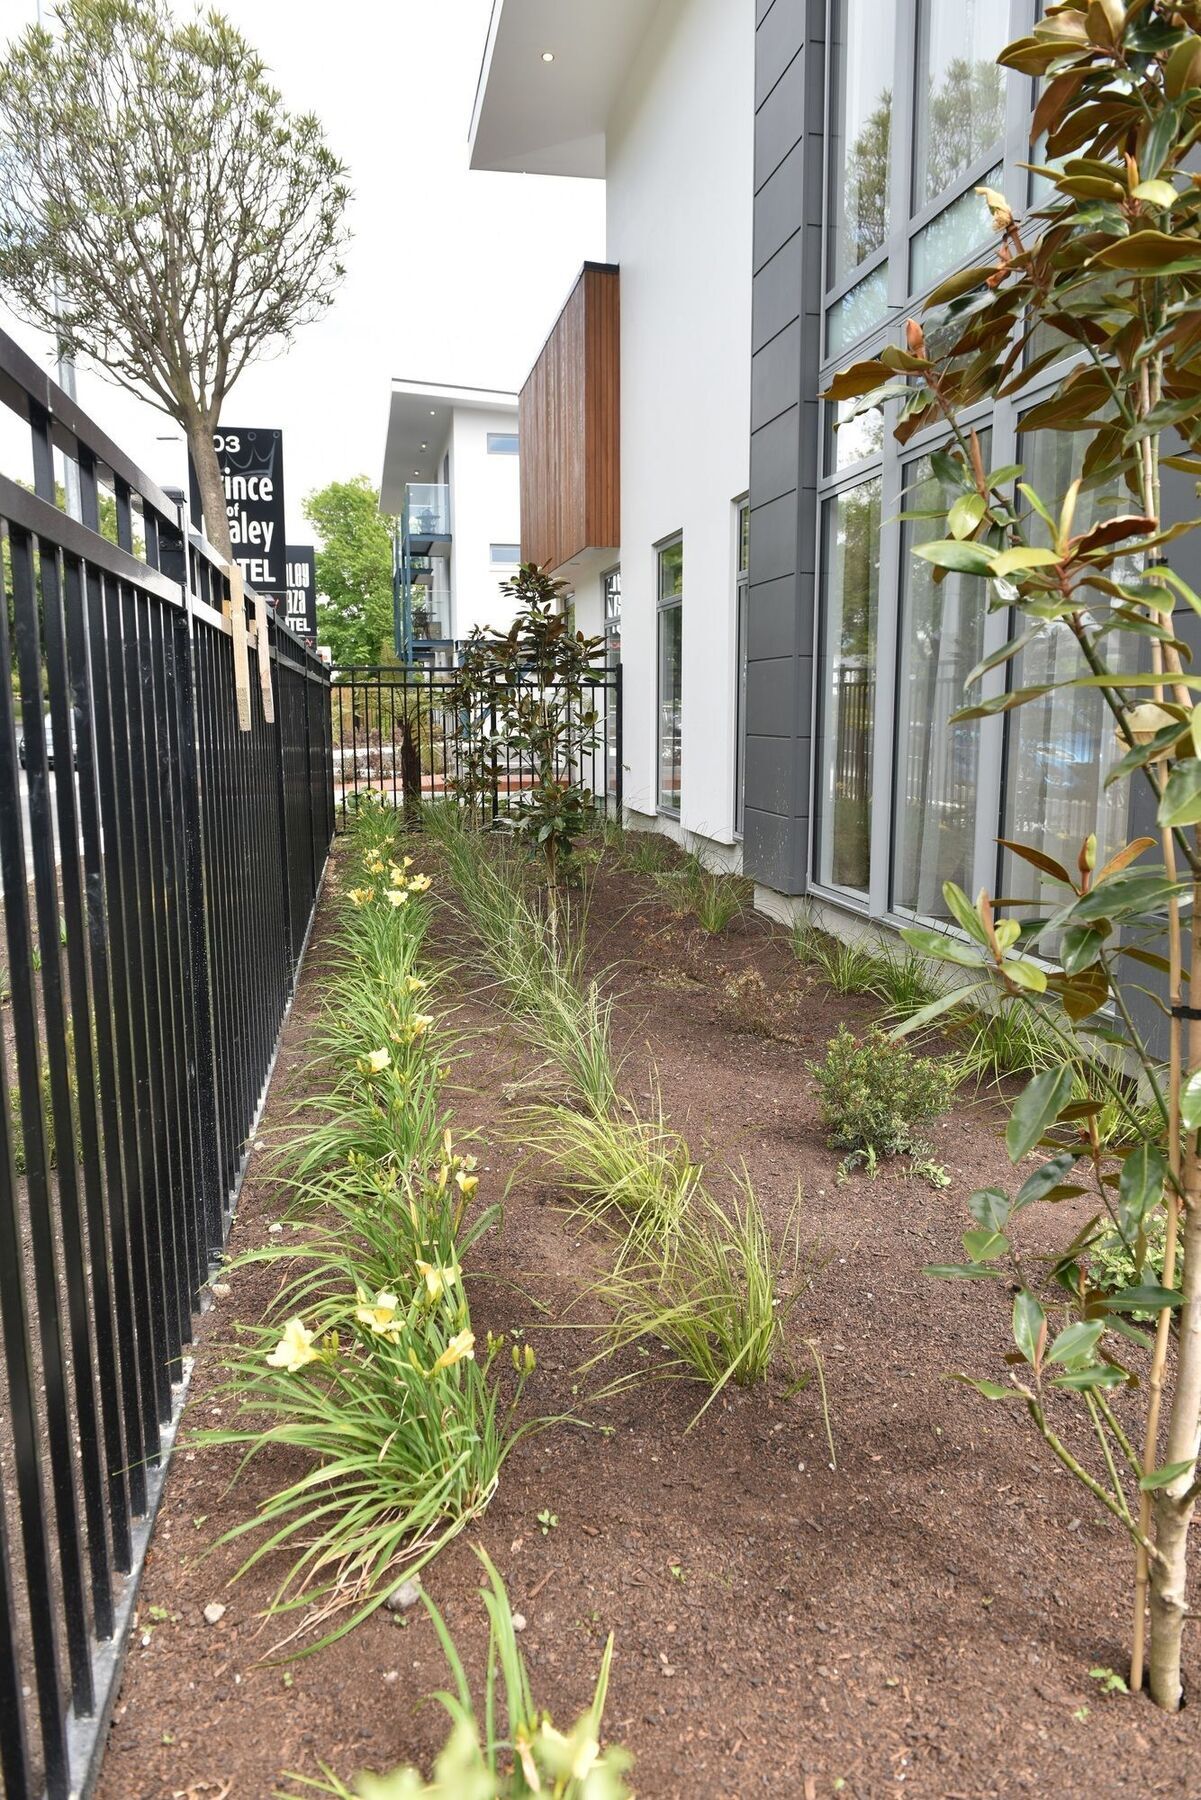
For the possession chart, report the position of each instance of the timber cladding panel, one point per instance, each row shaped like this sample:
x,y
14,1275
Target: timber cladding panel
x,y
569,422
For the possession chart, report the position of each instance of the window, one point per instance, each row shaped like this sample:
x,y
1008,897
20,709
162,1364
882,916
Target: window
x,y
941,641
848,684
960,98
504,554
861,61
1061,747
611,593
502,443
741,593
670,643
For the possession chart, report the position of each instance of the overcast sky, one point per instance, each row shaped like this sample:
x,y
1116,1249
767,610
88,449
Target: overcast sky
x,y
453,276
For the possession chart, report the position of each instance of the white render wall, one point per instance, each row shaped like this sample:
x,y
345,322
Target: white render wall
x,y
485,509
679,185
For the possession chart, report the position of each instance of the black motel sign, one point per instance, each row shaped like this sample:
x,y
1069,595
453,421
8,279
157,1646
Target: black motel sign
x,y
252,472
299,606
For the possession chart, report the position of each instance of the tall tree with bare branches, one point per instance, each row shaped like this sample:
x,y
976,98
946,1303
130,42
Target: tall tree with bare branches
x,y
161,212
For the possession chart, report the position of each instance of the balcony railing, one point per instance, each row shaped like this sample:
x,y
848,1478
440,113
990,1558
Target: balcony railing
x,y
427,511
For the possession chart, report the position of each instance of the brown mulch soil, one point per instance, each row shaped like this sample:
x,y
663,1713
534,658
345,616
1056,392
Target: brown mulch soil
x,y
921,1619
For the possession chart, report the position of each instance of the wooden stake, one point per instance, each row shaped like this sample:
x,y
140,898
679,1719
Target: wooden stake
x,y
261,613
235,611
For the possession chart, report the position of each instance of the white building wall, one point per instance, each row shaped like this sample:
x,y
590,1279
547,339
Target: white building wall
x,y
679,182
485,510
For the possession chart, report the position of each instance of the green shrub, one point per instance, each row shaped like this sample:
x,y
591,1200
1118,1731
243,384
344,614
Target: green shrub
x,y
874,1091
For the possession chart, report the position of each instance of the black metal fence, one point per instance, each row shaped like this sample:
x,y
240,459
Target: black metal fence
x,y
403,733
160,865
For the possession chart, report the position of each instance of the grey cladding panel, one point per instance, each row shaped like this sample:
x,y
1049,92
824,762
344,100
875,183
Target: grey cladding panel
x,y
780,121
776,293
776,378
774,454
773,538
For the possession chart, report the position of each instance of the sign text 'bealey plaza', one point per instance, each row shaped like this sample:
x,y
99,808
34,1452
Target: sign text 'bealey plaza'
x,y
252,470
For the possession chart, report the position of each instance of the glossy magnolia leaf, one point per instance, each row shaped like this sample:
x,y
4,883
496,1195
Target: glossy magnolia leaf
x,y
964,559
985,1246
1170,1472
1038,1105
1096,1375
1155,193
992,1390
963,283
1120,896
984,709
1044,1181
1077,1342
965,913
1143,1174
941,945
1112,531
1143,1297
1002,655
860,378
1084,994
1150,253
1029,1325
1024,556
961,1272
1081,946
1190,1102
1023,973
1038,859
965,515
1181,802
990,1208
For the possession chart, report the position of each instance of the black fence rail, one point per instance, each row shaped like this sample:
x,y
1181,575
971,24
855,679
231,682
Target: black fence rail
x,y
160,865
404,733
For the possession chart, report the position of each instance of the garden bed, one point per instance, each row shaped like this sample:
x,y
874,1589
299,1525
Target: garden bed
x,y
925,1616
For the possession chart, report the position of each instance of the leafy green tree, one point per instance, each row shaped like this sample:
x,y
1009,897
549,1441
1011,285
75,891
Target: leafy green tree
x,y
354,571
160,210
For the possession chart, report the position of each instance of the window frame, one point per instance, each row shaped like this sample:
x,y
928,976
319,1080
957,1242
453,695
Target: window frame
x,y
672,602
742,591
493,441
504,562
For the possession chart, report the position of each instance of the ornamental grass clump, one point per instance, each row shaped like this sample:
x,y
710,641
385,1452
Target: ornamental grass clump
x,y
874,1091
509,1749
1094,297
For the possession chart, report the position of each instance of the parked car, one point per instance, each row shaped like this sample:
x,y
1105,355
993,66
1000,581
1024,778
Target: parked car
x,y
48,729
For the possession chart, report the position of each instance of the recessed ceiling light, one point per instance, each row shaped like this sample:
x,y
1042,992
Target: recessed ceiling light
x,y
433,414
416,471
425,446
548,56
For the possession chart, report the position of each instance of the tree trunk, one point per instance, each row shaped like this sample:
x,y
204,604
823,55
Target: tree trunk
x,y
212,488
1175,1503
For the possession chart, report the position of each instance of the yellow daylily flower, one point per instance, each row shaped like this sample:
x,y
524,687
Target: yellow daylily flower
x,y
415,985
438,1277
380,1314
419,884
461,1347
295,1348
360,896
376,866
420,1022
466,1184
396,897
375,1062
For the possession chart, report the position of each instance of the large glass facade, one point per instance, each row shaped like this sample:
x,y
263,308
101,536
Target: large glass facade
x,y
848,686
670,651
903,799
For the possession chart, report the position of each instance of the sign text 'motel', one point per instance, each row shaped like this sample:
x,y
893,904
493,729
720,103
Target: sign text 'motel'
x,y
252,470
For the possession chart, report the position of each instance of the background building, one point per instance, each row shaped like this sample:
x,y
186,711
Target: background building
x,y
450,477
